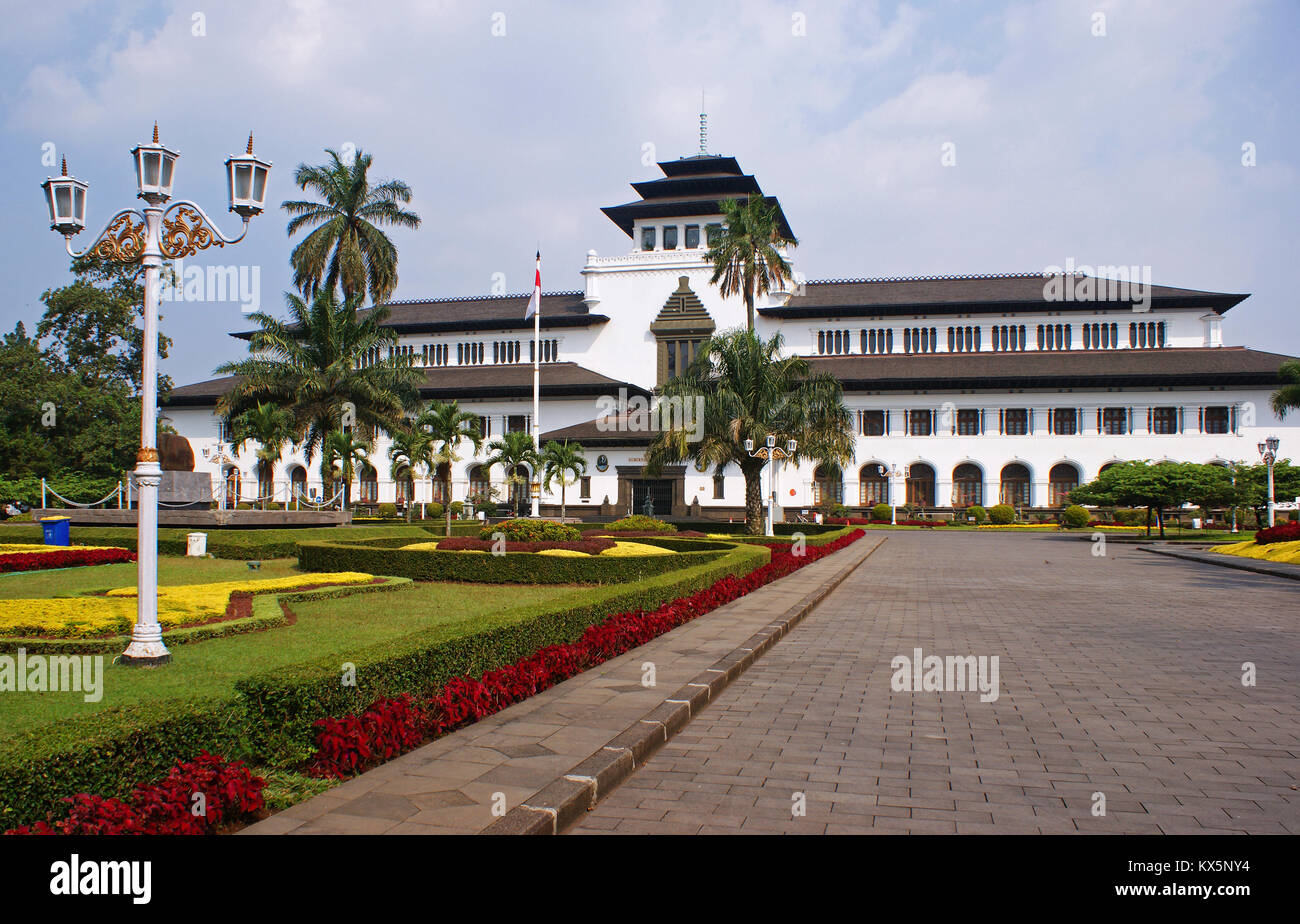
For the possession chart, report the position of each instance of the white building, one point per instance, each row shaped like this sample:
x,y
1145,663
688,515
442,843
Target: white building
x,y
964,389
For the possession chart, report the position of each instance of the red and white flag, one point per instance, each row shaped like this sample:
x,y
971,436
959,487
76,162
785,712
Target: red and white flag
x,y
535,303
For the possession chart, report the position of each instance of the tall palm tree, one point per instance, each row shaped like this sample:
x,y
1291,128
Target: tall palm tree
x,y
270,427
560,460
749,390
448,427
411,448
512,451
347,450
347,246
745,257
328,365
1287,398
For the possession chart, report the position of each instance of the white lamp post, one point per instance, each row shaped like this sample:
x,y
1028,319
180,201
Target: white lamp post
x,y
1268,452
893,474
771,452
147,241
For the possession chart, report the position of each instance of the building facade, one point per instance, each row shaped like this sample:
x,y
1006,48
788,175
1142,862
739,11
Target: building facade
x,y
963,389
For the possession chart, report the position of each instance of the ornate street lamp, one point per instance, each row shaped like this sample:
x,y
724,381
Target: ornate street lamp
x,y
893,474
770,453
1268,452
146,237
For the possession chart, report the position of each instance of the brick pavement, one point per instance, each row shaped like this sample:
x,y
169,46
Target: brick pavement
x,y
1118,674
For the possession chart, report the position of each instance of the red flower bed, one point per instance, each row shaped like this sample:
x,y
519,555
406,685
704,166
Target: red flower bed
x,y
391,726
230,794
469,544
62,558
1283,532
862,521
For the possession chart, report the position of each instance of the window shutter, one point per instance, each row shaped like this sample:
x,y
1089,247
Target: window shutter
x,y
887,415
1002,421
1200,420
1149,416
981,421
1234,419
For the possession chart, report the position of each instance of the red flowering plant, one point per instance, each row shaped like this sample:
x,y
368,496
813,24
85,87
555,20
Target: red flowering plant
x,y
62,558
1283,532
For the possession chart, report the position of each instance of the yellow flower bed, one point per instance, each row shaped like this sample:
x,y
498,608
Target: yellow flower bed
x,y
420,547
180,605
1286,552
626,549
564,553
27,548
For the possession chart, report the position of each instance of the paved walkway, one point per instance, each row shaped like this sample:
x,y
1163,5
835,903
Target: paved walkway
x,y
452,785
1119,675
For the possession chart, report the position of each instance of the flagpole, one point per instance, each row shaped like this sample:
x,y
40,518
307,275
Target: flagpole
x,y
537,379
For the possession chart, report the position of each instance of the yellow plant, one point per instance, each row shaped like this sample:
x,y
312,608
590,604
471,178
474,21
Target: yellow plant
x,y
27,548
623,549
179,605
420,547
1285,552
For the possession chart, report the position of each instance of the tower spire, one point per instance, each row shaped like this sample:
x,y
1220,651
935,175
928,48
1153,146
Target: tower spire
x,y
704,126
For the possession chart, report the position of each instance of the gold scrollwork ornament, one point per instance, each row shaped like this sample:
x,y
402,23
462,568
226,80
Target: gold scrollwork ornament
x,y
186,234
122,241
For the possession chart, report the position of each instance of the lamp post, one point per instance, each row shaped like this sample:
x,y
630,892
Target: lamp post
x,y
893,474
147,237
770,453
1268,452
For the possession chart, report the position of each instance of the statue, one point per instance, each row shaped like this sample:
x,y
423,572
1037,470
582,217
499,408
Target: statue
x,y
648,508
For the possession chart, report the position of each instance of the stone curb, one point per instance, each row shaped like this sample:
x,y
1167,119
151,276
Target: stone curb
x,y
1271,568
567,799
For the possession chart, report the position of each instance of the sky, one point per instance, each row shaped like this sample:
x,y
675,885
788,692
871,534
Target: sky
x,y
902,139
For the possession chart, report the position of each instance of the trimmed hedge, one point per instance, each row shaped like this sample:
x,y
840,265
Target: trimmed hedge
x,y
269,720
531,531
510,568
641,524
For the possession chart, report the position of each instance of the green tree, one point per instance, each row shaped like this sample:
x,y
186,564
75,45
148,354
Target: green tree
x,y
1252,486
328,365
345,450
411,448
270,427
449,427
748,390
745,257
511,452
347,247
1139,484
1287,398
559,460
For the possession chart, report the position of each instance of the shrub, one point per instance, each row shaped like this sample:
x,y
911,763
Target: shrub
x,y
526,530
1002,514
244,506
881,512
641,524
977,513
1075,517
62,558
587,545
387,510
457,508
435,510
1283,532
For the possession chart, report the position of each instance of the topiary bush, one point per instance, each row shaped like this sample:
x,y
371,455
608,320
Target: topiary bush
x,y
1075,517
435,510
881,512
1002,514
457,508
387,510
640,524
977,513
525,530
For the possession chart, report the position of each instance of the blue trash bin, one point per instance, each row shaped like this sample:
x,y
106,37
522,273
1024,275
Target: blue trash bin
x,y
57,530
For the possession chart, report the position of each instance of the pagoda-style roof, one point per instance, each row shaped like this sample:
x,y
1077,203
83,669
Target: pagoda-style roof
x,y
691,187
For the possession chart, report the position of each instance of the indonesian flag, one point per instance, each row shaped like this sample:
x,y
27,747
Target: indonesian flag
x,y
535,303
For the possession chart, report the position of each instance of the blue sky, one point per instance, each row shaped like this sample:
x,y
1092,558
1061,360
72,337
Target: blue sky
x,y
1123,148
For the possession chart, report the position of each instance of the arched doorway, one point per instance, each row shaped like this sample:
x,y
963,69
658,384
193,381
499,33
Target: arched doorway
x,y
967,485
404,486
1015,485
1062,479
920,485
480,486
233,485
297,482
517,482
828,486
873,484
368,480
440,484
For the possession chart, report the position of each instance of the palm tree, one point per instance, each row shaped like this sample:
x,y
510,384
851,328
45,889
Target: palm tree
x,y
347,246
1287,398
448,426
746,257
749,391
559,460
328,365
411,448
343,447
513,450
270,427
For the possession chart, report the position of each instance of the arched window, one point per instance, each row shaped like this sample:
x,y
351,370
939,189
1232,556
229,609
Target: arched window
x,y
827,485
440,483
1015,485
518,489
297,481
405,486
480,485
233,486
920,485
873,484
1062,479
967,485
369,480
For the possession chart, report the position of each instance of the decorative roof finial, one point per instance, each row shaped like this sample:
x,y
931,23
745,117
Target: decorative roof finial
x,y
250,143
155,131
65,165
704,127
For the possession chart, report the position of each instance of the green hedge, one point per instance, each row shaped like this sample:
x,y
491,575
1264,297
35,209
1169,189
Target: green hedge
x,y
384,557
268,721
